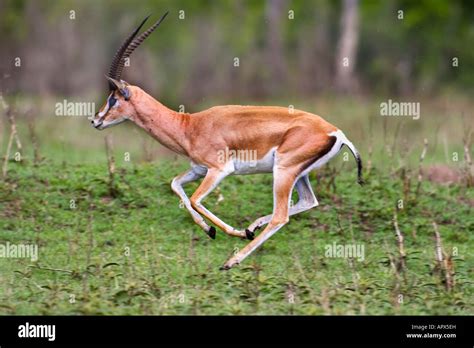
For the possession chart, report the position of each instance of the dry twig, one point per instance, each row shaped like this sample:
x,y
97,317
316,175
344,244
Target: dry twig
x,y
444,262
401,245
13,136
111,166
420,171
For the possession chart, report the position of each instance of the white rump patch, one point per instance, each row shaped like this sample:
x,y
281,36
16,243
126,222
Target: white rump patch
x,y
340,140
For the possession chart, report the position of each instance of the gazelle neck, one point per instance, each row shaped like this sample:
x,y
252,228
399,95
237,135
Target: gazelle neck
x,y
165,125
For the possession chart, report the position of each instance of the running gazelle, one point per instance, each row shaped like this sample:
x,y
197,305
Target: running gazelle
x,y
288,143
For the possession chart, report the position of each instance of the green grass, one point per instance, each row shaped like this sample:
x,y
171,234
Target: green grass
x,y
173,268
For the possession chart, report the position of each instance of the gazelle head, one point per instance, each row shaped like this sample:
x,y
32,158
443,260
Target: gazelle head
x,y
119,104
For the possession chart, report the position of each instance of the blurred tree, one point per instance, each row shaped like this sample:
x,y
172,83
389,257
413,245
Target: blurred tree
x,y
393,46
347,47
275,53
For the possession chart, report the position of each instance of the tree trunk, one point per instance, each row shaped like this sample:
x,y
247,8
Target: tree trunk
x,y
274,49
347,47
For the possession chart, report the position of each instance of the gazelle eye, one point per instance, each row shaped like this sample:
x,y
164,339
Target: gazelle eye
x,y
112,101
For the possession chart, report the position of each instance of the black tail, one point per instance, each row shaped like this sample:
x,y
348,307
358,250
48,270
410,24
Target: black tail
x,y
360,181
356,155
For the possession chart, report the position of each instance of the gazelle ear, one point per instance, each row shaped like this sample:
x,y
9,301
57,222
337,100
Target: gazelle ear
x,y
121,86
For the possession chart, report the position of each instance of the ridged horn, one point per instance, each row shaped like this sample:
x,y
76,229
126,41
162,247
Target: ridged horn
x,y
116,62
129,45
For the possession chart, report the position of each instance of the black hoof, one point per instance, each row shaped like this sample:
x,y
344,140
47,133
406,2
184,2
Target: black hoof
x,y
250,235
212,232
224,268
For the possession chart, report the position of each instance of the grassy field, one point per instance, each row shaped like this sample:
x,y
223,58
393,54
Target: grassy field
x,y
128,248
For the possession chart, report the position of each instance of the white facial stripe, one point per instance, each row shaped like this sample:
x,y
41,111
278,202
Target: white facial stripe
x,y
106,109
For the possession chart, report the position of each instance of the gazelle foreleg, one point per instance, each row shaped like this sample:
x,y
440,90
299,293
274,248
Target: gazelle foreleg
x,y
282,187
306,201
212,179
177,187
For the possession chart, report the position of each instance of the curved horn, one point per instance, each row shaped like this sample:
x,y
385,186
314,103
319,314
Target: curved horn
x,y
137,41
117,64
129,46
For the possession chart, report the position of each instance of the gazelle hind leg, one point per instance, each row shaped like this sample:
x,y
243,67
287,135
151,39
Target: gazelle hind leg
x,y
282,187
306,201
307,198
177,187
211,180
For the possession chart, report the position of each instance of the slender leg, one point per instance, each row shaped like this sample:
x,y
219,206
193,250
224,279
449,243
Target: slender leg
x,y
306,201
282,187
212,179
177,187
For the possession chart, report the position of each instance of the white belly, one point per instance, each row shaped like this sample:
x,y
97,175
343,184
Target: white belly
x,y
251,166
248,164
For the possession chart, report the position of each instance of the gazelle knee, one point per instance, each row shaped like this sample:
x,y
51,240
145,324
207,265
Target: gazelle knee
x,y
175,186
280,221
194,203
